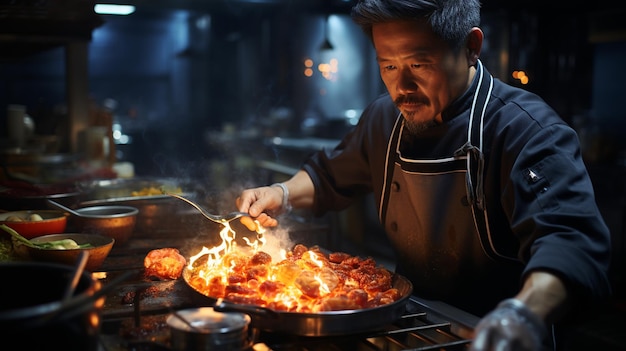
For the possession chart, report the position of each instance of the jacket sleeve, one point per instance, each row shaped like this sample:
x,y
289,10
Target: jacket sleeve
x,y
554,213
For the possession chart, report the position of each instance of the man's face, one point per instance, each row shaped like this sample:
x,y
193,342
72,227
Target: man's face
x,y
422,74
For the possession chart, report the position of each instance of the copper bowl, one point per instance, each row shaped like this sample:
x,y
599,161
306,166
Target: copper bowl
x,y
117,222
52,222
98,251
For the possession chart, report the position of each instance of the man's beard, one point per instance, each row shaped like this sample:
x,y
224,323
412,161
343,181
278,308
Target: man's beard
x,y
415,128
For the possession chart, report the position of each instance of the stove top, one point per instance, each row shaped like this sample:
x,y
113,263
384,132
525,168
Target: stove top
x,y
134,314
417,329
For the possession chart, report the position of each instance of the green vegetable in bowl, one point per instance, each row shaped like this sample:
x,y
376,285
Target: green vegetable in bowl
x,y
63,244
6,250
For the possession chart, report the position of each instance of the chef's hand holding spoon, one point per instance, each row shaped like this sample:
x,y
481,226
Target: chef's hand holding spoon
x,y
267,202
259,201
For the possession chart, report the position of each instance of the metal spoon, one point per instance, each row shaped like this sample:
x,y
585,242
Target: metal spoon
x,y
58,206
213,217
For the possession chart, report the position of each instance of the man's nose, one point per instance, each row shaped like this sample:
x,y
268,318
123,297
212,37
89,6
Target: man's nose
x,y
406,82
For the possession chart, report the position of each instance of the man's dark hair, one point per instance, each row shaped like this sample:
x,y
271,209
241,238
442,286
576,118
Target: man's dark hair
x,y
451,20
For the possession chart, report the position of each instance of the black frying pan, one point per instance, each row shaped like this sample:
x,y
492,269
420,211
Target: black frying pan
x,y
325,323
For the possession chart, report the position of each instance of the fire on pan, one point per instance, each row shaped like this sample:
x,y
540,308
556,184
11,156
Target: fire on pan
x,y
304,291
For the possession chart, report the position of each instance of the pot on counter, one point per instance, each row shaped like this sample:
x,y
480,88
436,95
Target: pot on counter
x,y
205,329
33,314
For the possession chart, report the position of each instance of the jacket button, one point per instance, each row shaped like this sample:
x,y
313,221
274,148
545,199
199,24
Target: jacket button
x,y
395,186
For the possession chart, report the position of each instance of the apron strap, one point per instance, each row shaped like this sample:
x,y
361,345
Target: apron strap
x,y
389,166
476,163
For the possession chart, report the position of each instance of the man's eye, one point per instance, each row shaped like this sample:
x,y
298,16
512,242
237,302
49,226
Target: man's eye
x,y
416,65
389,68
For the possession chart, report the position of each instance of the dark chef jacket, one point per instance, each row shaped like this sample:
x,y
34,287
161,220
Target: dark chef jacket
x,y
537,193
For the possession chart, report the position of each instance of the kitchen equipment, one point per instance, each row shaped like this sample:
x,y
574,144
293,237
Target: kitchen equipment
x,y
117,222
324,323
100,248
133,189
156,210
212,217
33,315
61,207
205,329
52,222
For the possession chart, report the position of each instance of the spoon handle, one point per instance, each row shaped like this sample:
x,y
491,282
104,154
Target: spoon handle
x,y
78,271
209,216
58,206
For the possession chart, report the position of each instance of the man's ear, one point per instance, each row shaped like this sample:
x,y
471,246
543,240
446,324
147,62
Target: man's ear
x,y
473,45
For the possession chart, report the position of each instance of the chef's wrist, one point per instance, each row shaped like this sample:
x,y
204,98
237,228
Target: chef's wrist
x,y
285,204
523,311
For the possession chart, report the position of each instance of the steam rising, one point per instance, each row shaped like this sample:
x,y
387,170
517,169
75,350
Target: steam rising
x,y
277,239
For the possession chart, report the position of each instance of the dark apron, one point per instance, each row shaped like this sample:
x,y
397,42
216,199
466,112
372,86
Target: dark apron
x,y
434,214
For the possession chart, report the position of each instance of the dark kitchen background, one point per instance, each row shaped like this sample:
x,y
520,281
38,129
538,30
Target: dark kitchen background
x,y
238,92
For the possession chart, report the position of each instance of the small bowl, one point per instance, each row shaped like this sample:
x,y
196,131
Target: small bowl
x,y
117,222
101,246
52,222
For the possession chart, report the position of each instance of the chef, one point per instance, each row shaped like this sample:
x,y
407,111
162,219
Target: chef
x,y
480,185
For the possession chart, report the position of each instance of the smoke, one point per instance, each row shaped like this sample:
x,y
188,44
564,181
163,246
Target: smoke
x,y
278,240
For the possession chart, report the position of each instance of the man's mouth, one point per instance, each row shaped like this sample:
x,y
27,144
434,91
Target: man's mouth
x,y
408,103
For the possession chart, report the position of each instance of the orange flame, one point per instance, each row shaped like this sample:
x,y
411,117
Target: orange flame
x,y
297,283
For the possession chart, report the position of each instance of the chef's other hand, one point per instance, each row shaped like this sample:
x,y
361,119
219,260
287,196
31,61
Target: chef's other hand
x,y
509,327
261,203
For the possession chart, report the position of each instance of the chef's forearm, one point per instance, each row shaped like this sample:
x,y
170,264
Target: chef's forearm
x,y
545,295
301,190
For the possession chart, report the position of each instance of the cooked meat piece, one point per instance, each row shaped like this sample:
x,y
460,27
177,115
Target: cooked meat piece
x,y
164,264
338,257
260,258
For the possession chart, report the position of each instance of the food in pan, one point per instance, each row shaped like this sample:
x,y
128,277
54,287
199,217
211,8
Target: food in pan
x,y
164,264
306,280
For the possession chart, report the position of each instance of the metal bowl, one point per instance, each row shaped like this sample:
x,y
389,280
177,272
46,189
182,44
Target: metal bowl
x,y
98,252
117,222
52,222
